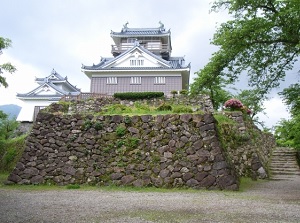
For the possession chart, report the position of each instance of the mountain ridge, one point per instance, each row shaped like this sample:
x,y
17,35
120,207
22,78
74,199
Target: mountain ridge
x,y
12,110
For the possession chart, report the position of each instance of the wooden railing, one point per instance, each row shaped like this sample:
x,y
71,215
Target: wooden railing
x,y
84,96
153,47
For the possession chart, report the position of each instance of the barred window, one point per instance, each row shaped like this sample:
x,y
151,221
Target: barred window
x,y
137,63
135,80
160,80
112,80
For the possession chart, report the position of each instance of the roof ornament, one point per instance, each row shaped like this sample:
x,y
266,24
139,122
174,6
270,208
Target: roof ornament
x,y
136,42
125,27
53,71
162,26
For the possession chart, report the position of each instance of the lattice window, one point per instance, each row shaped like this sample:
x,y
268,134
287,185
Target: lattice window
x,y
112,80
135,80
137,63
160,80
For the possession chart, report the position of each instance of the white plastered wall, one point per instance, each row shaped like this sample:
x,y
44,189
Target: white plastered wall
x,y
27,111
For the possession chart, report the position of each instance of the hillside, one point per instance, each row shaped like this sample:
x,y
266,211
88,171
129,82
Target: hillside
x,y
11,109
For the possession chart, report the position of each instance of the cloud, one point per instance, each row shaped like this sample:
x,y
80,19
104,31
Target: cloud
x,y
275,111
22,81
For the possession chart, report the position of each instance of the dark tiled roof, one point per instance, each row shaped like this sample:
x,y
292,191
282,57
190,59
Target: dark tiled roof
x,y
160,31
136,32
50,81
55,77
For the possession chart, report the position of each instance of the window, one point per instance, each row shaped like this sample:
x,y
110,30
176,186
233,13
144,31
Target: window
x,y
111,80
137,63
131,40
136,80
160,80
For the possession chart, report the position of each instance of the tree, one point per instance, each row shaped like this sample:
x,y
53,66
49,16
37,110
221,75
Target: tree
x,y
291,97
4,44
7,126
287,132
2,115
262,39
253,99
213,86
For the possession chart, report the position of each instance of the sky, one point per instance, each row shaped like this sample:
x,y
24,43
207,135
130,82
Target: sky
x,y
64,34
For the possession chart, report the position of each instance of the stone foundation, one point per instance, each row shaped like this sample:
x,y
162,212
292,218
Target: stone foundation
x,y
162,151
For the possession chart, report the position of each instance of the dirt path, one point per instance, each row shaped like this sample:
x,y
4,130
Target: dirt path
x,y
270,201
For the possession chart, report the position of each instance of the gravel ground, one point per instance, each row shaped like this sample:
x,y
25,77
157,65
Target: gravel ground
x,y
270,201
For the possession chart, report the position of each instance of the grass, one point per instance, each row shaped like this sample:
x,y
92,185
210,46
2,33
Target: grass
x,y
143,109
73,186
3,177
245,184
10,152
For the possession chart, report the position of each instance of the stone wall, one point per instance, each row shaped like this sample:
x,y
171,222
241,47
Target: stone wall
x,y
198,103
72,144
250,149
24,127
162,151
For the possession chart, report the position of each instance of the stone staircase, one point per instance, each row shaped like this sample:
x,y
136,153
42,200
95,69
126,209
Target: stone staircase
x,y
283,165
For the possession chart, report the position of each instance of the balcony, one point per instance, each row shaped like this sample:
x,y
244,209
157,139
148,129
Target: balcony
x,y
154,47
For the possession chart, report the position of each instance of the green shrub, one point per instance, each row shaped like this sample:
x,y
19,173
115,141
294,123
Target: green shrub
x,y
183,92
182,109
229,133
120,143
98,126
117,109
107,149
10,152
138,95
127,120
121,130
174,93
164,107
10,155
141,106
133,142
223,119
87,124
64,106
2,147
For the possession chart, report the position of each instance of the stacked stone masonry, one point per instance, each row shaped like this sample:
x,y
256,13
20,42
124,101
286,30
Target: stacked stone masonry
x,y
162,151
198,103
251,157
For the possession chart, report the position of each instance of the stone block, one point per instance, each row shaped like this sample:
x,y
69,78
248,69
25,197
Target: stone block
x,y
128,179
37,180
226,181
220,165
164,173
207,181
116,176
187,176
192,183
14,178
